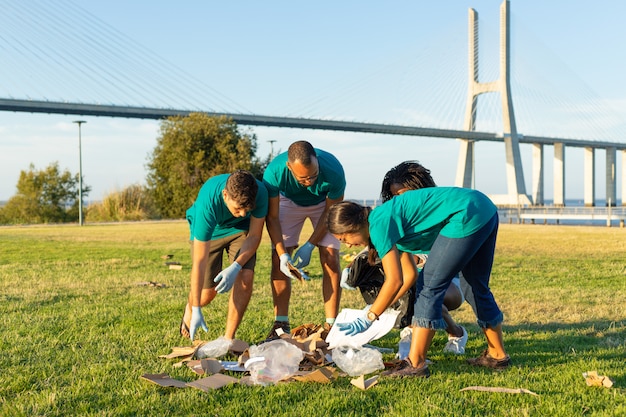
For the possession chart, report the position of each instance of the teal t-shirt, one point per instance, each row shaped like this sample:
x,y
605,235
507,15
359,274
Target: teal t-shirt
x,y
209,217
331,182
412,220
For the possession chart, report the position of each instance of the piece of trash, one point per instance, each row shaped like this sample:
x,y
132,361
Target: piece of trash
x,y
499,389
357,361
594,380
167,256
404,346
164,380
272,361
363,383
205,366
151,284
214,348
322,375
172,263
176,267
213,382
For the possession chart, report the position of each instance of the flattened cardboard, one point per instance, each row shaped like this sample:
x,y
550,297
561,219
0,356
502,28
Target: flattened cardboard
x,y
238,347
296,272
205,366
322,375
164,380
364,384
213,382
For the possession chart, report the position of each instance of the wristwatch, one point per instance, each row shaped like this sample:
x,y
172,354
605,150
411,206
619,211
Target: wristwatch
x,y
371,316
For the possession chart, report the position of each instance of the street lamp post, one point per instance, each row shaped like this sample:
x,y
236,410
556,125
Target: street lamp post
x,y
80,173
271,141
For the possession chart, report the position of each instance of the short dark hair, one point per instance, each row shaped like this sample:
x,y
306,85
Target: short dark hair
x,y
301,151
242,188
409,174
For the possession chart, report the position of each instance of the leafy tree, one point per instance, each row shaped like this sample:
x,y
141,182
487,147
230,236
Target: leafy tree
x,y
44,196
192,149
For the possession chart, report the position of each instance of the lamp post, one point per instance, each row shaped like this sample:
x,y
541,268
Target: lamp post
x,y
271,141
80,173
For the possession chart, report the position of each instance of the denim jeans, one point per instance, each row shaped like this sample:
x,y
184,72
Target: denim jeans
x,y
472,258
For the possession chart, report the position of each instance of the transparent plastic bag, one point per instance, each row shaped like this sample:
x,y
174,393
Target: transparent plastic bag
x,y
272,361
358,361
404,346
214,348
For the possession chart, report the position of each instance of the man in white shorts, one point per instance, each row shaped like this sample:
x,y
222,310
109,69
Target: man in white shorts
x,y
302,183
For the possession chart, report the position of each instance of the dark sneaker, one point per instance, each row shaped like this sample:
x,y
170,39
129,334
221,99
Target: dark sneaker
x,y
488,362
279,328
406,369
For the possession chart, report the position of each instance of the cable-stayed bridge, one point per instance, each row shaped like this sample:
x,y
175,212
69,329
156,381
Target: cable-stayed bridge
x,y
469,132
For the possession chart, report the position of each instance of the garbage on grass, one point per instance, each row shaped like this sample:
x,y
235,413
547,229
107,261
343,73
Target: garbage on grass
x,y
404,346
214,348
594,380
358,361
272,361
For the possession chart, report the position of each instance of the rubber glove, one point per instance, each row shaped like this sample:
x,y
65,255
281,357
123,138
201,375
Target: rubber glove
x,y
303,255
197,320
285,260
354,327
344,279
226,278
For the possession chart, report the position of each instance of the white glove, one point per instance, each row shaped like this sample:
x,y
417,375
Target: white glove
x,y
344,278
285,260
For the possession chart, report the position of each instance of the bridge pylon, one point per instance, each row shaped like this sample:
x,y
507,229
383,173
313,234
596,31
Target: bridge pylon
x,y
516,188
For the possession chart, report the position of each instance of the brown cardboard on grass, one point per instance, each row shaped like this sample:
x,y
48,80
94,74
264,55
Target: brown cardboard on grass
x,y
594,380
364,384
205,366
322,375
187,353
213,382
296,272
164,380
499,389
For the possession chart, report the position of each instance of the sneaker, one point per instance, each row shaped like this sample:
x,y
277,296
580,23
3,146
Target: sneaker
x,y
279,328
405,369
456,345
488,362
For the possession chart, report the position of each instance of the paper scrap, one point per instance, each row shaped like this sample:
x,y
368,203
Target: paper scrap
x,y
322,375
594,380
176,267
499,389
213,382
364,384
164,380
378,329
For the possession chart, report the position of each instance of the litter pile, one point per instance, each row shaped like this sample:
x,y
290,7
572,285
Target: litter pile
x,y
301,356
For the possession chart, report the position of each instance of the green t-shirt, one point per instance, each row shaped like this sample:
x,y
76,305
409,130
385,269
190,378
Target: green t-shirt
x,y
331,182
209,217
412,220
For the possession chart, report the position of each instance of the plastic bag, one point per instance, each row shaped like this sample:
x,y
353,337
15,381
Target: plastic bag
x,y
214,349
404,346
272,361
358,361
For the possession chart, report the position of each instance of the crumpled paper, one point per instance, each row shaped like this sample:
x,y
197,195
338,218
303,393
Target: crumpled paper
x,y
594,380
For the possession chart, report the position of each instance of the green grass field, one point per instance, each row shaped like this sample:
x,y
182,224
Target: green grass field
x,y
78,332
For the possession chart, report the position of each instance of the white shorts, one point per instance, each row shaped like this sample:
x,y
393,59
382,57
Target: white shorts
x,y
292,217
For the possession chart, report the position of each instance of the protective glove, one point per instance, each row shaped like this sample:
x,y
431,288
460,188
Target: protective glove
x,y
197,320
226,278
344,279
285,260
303,255
354,327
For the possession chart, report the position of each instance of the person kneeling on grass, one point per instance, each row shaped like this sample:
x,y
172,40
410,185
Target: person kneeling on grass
x,y
228,215
458,227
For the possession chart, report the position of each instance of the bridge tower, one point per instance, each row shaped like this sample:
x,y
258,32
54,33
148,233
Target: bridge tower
x,y
516,188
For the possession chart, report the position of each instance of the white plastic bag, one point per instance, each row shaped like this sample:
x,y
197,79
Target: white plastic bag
x,y
272,361
214,348
405,343
358,361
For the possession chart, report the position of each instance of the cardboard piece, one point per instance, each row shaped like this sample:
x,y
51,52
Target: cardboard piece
x,y
164,380
176,267
213,382
364,384
499,389
322,375
238,347
205,366
296,272
594,380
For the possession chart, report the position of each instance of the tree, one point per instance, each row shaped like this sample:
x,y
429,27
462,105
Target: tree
x,y
192,149
45,196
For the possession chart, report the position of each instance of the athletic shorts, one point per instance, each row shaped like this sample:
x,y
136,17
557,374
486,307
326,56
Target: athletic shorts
x,y
292,216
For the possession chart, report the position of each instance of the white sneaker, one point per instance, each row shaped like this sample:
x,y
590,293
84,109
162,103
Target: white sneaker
x,y
456,345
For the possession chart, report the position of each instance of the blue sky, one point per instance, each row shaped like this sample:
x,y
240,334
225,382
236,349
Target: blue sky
x,y
354,60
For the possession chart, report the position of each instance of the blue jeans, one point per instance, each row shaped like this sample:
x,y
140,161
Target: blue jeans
x,y
472,258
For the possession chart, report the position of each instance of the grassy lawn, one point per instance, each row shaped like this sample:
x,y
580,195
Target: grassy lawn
x,y
78,332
